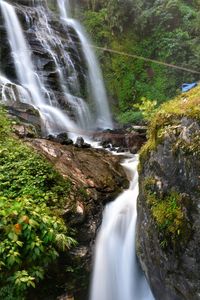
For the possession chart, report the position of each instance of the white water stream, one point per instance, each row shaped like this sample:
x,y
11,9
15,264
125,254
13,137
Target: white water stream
x,y
116,274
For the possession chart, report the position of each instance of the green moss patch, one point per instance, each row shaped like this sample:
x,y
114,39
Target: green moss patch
x,y
168,117
169,213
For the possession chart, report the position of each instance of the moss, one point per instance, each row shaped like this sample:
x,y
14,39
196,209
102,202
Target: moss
x,y
169,213
191,147
167,119
82,193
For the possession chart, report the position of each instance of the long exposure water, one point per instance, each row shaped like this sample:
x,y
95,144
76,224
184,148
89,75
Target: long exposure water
x,y
116,274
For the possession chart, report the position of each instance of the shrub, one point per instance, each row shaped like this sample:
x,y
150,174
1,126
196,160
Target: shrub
x,y
31,231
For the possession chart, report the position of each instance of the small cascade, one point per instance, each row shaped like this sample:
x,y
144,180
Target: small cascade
x,y
95,76
116,274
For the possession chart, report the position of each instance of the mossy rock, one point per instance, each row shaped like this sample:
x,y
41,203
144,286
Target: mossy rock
x,y
168,119
168,226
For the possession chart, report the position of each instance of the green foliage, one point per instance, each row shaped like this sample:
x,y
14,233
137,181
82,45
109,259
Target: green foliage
x,y
147,107
31,231
96,21
23,172
30,237
166,31
4,125
130,116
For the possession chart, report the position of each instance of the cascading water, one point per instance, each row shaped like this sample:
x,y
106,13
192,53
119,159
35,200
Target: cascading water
x,y
49,41
64,9
95,75
61,107
53,119
116,274
21,54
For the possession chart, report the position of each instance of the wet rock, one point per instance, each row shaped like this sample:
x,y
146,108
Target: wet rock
x,y
122,150
80,143
61,138
51,137
25,120
121,138
106,143
25,131
134,149
113,149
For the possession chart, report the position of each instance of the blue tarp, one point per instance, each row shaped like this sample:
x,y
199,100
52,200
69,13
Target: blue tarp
x,y
188,86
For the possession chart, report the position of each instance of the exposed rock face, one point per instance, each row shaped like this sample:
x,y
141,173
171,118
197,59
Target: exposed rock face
x,y
97,178
26,119
122,138
168,228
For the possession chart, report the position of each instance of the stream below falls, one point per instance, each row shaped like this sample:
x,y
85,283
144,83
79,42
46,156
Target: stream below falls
x,y
116,274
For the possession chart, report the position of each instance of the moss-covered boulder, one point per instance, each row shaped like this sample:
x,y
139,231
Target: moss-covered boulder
x,y
168,226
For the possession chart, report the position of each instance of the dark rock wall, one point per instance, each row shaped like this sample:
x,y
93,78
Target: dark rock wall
x,y
169,254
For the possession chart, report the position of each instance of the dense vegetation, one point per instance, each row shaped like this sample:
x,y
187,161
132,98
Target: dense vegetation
x,y
31,231
167,31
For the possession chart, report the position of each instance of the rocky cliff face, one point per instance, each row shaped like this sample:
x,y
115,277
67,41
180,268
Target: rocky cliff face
x,y
168,228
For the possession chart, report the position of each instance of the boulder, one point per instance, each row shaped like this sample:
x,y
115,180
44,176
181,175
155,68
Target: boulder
x,y
24,130
121,138
61,138
25,119
80,143
168,225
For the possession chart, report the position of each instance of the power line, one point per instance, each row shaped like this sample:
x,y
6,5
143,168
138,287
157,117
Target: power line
x,y
145,59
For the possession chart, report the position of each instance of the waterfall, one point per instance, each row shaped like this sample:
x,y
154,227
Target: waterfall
x,y
96,80
59,98
116,274
53,119
64,8
21,54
